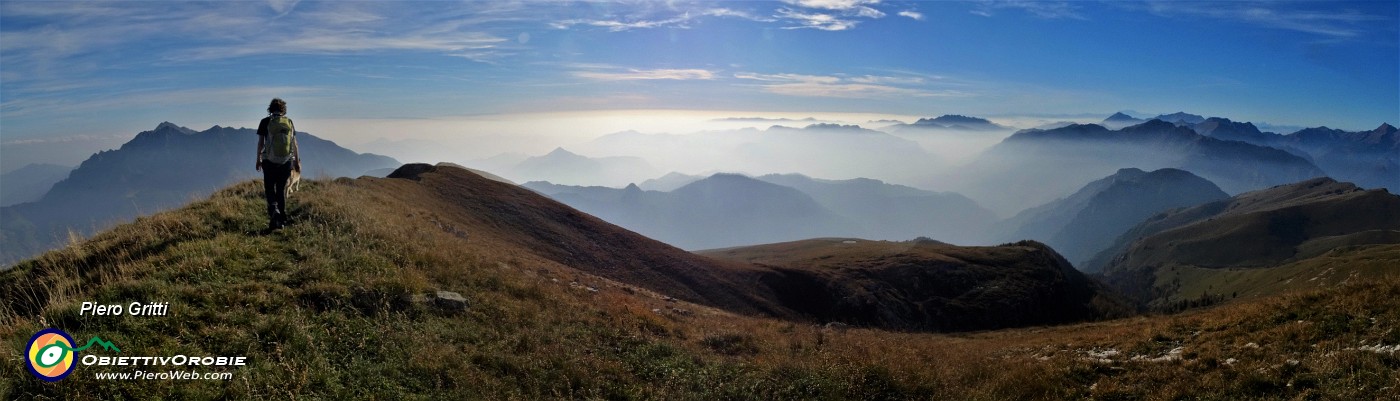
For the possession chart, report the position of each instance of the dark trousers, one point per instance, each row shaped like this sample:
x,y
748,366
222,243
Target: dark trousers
x,y
275,178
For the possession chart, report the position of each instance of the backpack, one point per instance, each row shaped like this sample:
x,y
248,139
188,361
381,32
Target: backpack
x,y
280,134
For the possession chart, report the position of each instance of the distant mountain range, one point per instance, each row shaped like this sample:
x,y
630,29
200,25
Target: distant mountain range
x,y
1181,118
1120,121
729,210
722,210
1187,253
885,211
1081,225
563,166
29,183
1035,166
821,150
669,182
954,122
1371,159
158,169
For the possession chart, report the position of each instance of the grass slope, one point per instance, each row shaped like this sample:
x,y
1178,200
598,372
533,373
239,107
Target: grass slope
x,y
320,310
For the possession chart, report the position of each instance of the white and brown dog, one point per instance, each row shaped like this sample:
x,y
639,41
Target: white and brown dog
x,y
294,180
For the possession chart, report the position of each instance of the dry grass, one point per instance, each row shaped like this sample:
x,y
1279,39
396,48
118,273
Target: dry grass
x,y
318,308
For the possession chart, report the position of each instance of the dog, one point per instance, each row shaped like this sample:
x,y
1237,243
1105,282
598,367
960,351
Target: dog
x,y
294,180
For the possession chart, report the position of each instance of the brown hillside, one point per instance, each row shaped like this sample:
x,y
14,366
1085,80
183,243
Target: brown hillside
x,y
1260,229
953,288
503,219
929,285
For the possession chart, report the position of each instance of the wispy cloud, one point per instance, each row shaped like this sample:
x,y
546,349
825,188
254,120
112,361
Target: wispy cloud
x,y
861,8
617,25
1330,22
828,15
335,41
1041,9
864,87
917,16
646,75
825,22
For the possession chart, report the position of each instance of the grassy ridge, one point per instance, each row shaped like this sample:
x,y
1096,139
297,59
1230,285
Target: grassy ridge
x,y
321,311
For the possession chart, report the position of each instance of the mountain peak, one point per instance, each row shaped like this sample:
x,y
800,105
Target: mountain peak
x,y
1181,117
1120,116
957,119
1386,128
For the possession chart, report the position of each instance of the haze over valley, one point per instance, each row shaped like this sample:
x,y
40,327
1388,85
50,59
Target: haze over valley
x,y
769,200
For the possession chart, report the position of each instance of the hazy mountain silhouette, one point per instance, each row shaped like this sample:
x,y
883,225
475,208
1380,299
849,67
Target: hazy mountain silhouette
x,y
158,169
956,122
669,182
1181,118
1370,159
1081,225
565,167
722,210
850,208
31,182
820,150
1258,229
1035,166
894,212
1120,120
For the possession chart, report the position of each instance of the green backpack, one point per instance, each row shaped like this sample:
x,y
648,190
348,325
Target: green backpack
x,y
279,145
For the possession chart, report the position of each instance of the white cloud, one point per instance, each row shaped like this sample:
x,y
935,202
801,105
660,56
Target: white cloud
x,y
864,87
825,22
840,5
726,12
1038,8
656,74
282,7
918,16
619,25
1339,24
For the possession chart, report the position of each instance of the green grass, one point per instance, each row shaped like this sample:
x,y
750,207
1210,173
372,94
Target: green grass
x,y
320,309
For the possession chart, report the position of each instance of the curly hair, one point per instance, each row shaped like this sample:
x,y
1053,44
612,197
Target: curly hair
x,y
278,106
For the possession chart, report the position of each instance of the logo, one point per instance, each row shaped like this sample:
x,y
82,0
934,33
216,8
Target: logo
x,y
51,354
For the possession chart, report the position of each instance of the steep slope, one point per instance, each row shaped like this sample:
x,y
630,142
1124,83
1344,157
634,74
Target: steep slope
x,y
1255,230
1033,167
1081,225
929,285
158,169
29,183
894,212
336,307
719,211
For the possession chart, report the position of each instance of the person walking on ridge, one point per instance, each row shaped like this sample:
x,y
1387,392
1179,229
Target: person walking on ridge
x,y
277,158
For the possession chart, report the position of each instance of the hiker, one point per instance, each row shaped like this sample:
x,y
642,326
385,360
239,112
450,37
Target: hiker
x,y
277,158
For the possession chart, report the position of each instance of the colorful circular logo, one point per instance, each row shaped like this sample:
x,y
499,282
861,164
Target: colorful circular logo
x,y
51,355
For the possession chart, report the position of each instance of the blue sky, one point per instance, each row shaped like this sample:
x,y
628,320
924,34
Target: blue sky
x,y
70,68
